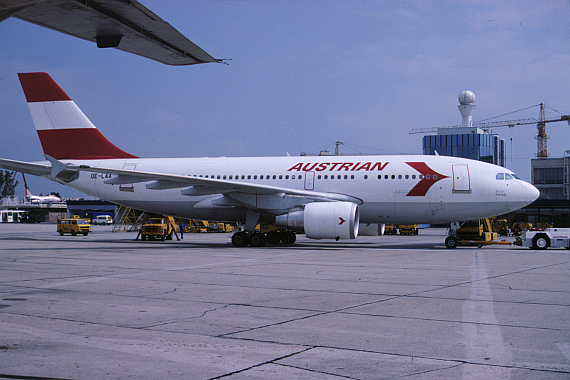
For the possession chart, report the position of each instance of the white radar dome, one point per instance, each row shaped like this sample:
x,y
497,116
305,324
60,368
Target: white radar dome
x,y
466,97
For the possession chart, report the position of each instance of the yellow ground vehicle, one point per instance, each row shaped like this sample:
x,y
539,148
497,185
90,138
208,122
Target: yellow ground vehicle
x,y
73,226
408,229
161,227
519,227
390,229
501,227
479,229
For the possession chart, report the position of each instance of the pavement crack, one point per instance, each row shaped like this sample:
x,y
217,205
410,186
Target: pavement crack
x,y
272,361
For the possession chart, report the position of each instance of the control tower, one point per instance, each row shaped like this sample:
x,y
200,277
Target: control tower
x,y
466,141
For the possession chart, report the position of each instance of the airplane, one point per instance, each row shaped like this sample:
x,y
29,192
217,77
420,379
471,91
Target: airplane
x,y
41,199
324,197
37,198
125,25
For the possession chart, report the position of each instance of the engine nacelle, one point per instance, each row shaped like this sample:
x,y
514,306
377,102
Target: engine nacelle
x,y
324,220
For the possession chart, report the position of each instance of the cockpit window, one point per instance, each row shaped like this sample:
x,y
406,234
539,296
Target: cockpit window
x,y
506,176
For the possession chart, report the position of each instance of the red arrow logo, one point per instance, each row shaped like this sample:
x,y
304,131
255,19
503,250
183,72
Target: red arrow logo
x,y
430,177
341,220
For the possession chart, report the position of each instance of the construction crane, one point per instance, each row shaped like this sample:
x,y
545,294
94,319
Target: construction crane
x,y
541,137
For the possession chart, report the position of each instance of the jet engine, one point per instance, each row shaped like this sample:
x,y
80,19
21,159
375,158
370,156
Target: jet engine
x,y
323,220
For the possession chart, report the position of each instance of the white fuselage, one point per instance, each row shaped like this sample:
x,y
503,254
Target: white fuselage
x,y
393,189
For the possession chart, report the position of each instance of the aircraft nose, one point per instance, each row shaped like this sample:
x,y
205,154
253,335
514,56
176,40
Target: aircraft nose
x,y
531,193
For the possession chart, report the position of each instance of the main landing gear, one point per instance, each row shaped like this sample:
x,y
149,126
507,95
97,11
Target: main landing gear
x,y
259,239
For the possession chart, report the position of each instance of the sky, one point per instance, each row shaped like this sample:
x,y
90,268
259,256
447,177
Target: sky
x,y
302,75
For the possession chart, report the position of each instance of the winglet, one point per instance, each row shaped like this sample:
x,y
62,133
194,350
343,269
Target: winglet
x,y
56,166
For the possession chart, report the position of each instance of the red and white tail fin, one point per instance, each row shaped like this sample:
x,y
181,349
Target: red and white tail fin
x,y
65,132
28,194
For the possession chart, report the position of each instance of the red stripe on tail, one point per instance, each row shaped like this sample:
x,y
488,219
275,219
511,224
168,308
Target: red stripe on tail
x,y
79,144
39,87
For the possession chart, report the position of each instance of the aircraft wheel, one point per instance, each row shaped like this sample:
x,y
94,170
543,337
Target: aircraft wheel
x,y
451,242
288,237
239,239
257,239
273,237
540,241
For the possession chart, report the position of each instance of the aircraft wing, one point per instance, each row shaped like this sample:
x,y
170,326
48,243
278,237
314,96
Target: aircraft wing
x,y
203,186
125,25
26,167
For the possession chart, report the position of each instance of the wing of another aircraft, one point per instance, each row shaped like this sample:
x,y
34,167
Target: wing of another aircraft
x,y
124,25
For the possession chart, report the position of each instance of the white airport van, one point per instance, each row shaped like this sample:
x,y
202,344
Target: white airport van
x,y
102,219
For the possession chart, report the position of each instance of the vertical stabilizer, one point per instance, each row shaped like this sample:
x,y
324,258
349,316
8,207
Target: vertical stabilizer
x,y
64,130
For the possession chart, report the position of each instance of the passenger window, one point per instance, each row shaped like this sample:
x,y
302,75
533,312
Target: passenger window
x,y
352,176
421,176
379,176
319,176
287,176
413,176
249,177
393,176
407,176
261,177
399,176
386,176
501,176
231,177
274,176
254,177
435,176
427,176
345,176
365,176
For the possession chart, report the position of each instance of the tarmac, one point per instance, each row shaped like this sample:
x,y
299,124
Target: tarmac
x,y
107,306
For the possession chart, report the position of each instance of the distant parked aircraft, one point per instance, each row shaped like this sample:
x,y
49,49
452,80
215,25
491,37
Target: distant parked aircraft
x,y
40,199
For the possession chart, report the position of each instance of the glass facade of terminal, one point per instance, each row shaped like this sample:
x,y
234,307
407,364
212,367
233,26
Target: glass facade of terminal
x,y
482,147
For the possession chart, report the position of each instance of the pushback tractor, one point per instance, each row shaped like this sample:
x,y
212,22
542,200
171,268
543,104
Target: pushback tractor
x,y
547,238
